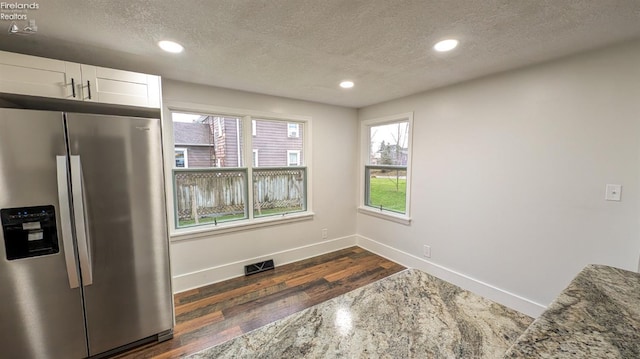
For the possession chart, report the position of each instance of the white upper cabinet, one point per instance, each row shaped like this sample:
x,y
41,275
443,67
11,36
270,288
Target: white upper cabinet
x,y
105,85
38,76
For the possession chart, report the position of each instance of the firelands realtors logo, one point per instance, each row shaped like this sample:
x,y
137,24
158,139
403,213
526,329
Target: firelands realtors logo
x,y
14,11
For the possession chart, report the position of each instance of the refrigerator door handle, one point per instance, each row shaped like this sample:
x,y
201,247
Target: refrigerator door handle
x,y
65,219
79,214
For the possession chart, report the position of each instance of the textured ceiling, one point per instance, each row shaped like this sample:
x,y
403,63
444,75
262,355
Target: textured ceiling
x,y
303,48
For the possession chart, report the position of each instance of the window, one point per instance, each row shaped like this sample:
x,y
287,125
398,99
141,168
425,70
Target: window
x,y
278,189
182,160
217,187
386,156
293,157
292,129
212,187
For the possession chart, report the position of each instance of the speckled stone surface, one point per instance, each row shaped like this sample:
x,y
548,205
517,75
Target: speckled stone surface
x,y
596,316
408,315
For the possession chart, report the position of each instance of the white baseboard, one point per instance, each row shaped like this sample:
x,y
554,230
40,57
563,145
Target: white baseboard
x,y
486,290
184,282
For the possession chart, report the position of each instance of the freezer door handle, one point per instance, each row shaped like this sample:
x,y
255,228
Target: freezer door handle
x,y
65,219
80,216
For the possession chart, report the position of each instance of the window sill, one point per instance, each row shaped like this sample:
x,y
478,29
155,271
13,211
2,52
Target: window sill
x,y
389,216
236,226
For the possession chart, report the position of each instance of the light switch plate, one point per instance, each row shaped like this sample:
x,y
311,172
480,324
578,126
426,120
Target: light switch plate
x,y
426,251
612,192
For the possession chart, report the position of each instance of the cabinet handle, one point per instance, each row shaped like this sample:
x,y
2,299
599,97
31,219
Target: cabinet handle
x,y
89,88
73,87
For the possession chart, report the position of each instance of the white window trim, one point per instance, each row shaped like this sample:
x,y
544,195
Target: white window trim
x,y
237,226
254,128
255,158
290,133
218,124
297,152
186,157
178,234
402,218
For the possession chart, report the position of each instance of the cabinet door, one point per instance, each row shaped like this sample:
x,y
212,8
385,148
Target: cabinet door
x,y
120,87
38,76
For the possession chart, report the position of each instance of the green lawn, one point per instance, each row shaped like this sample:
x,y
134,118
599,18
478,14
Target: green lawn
x,y
390,193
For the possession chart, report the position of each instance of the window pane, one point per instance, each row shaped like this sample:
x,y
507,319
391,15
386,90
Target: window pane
x,y
211,178
386,188
181,158
278,190
293,130
389,144
273,141
294,158
209,140
209,196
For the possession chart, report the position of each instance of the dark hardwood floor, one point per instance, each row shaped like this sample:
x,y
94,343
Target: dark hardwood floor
x,y
216,313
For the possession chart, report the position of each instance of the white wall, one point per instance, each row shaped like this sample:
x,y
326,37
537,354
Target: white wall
x,y
509,173
214,257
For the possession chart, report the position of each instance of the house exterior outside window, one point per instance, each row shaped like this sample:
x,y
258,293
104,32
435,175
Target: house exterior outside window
x,y
182,159
255,161
201,137
293,157
217,187
274,140
293,129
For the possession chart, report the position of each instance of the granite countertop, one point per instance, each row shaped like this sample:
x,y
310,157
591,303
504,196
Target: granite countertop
x,y
596,316
408,315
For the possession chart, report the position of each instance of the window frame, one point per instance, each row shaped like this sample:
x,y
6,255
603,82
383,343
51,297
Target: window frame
x,y
293,134
185,154
255,153
365,144
297,153
246,116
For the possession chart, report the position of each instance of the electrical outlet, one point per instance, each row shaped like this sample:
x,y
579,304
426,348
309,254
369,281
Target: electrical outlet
x,y
427,251
325,233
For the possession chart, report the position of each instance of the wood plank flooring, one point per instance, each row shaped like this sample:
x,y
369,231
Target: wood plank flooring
x,y
216,313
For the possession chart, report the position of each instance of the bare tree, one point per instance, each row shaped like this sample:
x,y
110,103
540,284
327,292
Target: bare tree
x,y
400,139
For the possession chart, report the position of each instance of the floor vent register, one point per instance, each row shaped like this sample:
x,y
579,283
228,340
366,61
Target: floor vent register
x,y
258,267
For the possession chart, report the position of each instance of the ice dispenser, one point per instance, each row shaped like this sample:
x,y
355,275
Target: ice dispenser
x,y
29,231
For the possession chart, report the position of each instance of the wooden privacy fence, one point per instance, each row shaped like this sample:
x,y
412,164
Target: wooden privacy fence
x,y
220,192
278,188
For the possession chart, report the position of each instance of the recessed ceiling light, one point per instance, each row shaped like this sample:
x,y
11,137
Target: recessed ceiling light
x,y
346,84
446,45
170,46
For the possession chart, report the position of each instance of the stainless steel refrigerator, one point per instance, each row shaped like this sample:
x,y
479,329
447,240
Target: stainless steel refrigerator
x,y
84,261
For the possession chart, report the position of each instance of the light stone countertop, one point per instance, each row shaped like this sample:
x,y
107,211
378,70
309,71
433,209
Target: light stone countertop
x,y
596,316
408,315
